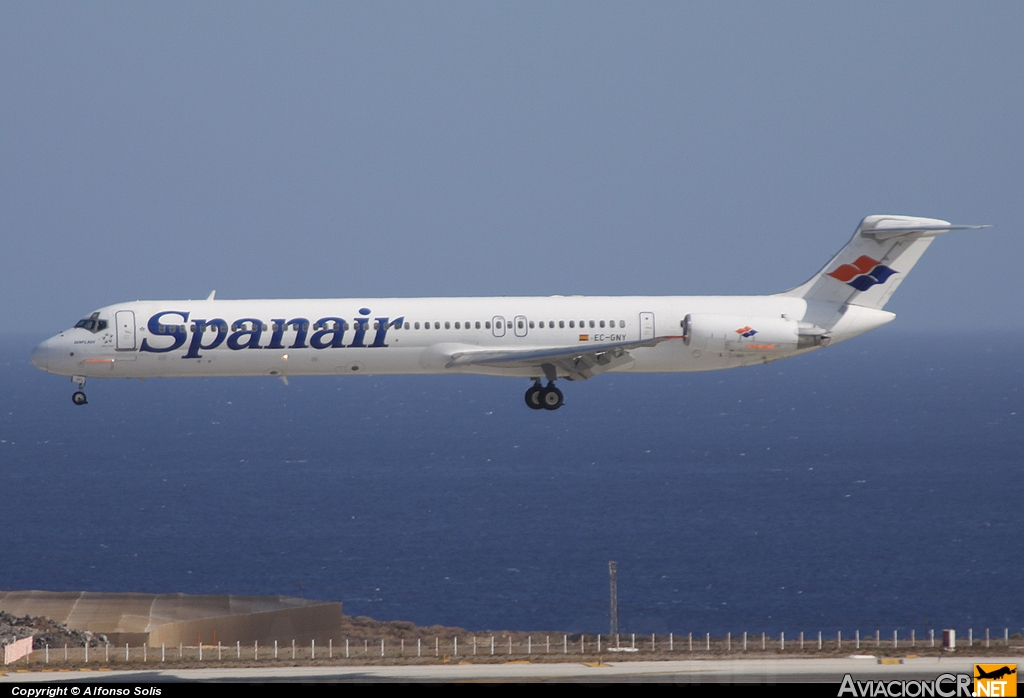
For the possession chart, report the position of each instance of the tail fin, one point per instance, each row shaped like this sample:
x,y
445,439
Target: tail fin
x,y
874,263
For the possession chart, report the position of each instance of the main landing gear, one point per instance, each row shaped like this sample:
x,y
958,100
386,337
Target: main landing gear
x,y
547,398
79,397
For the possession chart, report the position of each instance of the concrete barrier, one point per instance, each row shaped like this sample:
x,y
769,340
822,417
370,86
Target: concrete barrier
x,y
18,649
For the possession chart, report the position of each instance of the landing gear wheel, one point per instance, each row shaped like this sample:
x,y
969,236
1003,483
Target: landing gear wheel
x,y
551,398
533,397
79,398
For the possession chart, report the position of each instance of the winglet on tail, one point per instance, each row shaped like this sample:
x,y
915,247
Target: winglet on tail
x,y
873,264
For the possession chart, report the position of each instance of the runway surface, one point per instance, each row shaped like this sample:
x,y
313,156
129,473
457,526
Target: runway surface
x,y
708,671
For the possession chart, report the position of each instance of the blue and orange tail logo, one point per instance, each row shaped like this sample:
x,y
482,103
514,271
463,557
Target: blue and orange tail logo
x,y
747,331
863,274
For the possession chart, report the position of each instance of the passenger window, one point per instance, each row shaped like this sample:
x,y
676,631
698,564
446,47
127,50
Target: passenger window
x,y
447,325
457,326
487,324
478,324
437,325
531,324
591,323
622,323
572,323
602,323
407,325
561,324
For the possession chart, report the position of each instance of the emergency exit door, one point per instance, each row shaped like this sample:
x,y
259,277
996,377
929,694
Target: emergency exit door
x,y
646,326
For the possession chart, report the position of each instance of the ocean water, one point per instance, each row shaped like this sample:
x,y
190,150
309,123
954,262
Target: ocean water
x,y
875,484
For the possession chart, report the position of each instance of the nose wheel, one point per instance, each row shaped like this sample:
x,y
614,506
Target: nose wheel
x,y
544,398
79,397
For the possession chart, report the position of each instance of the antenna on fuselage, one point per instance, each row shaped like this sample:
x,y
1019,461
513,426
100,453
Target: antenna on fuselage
x,y
212,294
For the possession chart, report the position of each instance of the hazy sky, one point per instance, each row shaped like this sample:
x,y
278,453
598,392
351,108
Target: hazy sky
x,y
161,150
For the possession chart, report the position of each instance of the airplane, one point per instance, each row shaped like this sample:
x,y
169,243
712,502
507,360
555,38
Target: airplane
x,y
537,338
995,673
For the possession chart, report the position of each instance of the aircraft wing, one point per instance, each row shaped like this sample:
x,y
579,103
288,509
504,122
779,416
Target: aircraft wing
x,y
574,362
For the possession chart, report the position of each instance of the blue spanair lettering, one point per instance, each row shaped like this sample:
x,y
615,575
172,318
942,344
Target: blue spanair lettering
x,y
318,340
382,329
277,325
197,337
360,323
301,326
161,329
235,340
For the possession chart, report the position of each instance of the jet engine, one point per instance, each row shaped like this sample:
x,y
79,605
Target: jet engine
x,y
740,333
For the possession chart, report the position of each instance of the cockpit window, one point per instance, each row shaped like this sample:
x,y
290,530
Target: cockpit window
x,y
93,323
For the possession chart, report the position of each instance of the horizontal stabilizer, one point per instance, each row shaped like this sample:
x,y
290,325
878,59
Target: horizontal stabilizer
x,y
885,232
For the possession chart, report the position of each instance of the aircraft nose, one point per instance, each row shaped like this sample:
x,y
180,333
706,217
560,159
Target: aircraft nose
x,y
43,354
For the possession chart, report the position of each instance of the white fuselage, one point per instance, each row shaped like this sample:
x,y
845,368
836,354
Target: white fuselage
x,y
401,335
568,337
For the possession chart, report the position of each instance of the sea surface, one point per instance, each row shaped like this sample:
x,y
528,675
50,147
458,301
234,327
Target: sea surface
x,y
875,484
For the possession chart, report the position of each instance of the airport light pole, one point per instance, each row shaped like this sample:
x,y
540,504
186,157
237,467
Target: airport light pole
x,y
613,569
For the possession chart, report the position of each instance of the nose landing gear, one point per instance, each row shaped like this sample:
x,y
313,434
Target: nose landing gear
x,y
79,397
547,398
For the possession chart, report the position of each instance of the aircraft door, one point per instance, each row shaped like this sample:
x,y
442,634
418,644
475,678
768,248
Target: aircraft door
x,y
521,326
646,326
498,326
125,320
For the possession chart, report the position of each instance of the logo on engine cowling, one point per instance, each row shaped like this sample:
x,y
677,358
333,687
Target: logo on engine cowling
x,y
863,273
746,331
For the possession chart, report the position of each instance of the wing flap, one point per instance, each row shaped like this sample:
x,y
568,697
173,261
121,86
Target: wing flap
x,y
575,363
